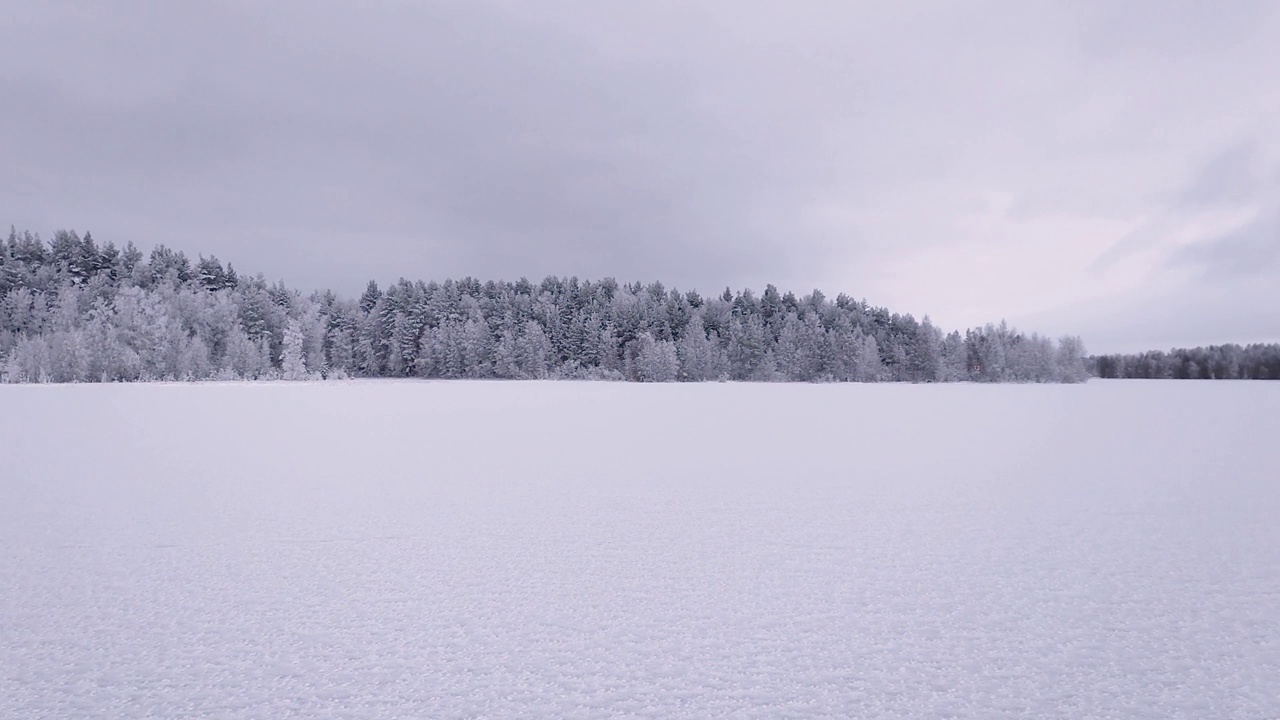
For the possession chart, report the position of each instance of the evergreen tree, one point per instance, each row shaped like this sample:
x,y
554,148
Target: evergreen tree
x,y
867,364
533,352
655,360
506,362
700,357
476,344
840,350
748,351
925,353
953,358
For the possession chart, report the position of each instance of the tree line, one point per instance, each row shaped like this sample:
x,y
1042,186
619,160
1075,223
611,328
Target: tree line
x,y
1215,362
74,310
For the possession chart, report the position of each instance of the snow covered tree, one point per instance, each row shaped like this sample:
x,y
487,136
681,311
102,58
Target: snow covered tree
x,y
1030,359
476,344
866,360
29,362
192,361
506,363
655,360
1070,360
245,359
748,349
953,358
110,359
700,357
799,349
533,352
925,350
294,366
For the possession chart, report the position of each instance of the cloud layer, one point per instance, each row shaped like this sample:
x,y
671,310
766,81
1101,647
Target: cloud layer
x,y
1041,161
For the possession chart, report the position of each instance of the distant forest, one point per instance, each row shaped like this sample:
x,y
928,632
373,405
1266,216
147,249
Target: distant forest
x,y
73,310
1216,362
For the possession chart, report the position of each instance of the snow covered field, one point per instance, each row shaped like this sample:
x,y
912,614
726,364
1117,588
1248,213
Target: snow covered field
x,y
450,550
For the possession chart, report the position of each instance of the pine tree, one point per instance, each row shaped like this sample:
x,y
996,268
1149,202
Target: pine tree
x,y
476,349
840,349
748,351
867,363
953,358
210,275
506,362
533,352
926,353
655,360
700,357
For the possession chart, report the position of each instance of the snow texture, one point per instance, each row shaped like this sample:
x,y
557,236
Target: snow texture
x,y
484,549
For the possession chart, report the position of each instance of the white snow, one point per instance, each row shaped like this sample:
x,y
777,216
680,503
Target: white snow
x,y
455,550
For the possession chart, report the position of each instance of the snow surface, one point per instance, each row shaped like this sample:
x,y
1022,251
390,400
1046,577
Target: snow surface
x,y
450,550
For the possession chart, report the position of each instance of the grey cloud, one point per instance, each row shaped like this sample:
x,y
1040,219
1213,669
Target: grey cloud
x,y
700,143
1242,310
1230,290
1145,236
487,142
1236,174
1168,28
1252,251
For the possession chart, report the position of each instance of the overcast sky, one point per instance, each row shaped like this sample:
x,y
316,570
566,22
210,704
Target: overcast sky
x,y
1106,168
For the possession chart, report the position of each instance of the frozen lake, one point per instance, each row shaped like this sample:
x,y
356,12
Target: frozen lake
x,y
457,550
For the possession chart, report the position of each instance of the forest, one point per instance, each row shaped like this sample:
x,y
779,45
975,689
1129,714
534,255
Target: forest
x,y
1215,362
74,310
